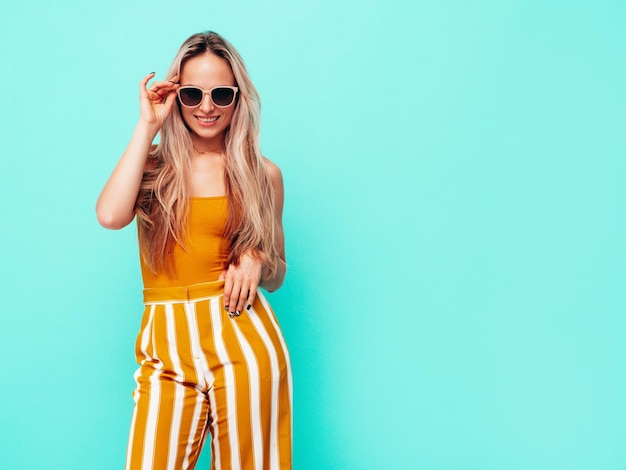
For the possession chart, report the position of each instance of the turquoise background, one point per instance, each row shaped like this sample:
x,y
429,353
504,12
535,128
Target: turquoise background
x,y
454,216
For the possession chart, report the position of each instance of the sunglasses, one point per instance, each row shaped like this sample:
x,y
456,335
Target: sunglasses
x,y
222,96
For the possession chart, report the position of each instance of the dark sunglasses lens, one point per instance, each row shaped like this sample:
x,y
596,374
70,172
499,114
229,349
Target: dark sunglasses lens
x,y
223,96
190,96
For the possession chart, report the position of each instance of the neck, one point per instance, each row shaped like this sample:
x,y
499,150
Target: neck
x,y
198,152
202,147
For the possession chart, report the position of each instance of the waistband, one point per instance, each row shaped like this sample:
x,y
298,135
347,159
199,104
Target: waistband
x,y
200,291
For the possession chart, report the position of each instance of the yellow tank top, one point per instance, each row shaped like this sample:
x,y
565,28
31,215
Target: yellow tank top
x,y
205,251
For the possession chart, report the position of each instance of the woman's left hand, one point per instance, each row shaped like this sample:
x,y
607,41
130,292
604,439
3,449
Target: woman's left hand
x,y
241,282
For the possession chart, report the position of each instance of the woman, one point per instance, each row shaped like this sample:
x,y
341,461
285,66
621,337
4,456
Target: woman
x,y
209,215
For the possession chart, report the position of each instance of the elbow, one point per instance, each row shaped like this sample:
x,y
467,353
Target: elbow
x,y
272,285
272,288
111,221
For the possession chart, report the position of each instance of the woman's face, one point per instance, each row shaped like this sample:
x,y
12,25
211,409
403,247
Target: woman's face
x,y
207,122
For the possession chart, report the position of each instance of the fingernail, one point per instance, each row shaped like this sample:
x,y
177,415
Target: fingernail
x,y
231,315
226,307
237,313
248,307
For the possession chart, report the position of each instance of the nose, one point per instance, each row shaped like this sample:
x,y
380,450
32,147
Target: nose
x,y
206,105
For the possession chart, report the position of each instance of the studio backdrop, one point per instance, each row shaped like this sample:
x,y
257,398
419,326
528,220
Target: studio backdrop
x,y
454,218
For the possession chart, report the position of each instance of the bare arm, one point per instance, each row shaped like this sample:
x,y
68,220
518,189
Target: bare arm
x,y
115,207
276,280
241,280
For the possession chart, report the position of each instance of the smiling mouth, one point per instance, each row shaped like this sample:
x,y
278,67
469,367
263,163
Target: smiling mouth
x,y
207,119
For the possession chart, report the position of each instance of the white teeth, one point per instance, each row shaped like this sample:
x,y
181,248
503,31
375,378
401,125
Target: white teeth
x,y
206,119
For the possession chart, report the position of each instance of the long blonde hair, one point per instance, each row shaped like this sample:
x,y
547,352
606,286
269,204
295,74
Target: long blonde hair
x,y
162,205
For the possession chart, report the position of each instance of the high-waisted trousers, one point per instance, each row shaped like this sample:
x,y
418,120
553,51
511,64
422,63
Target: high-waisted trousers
x,y
202,372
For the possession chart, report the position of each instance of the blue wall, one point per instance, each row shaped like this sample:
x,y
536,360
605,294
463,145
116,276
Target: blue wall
x,y
454,218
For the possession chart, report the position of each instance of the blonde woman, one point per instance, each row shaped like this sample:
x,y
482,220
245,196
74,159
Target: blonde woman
x,y
212,359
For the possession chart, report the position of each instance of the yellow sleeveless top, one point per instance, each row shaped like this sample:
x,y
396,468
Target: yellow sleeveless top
x,y
206,249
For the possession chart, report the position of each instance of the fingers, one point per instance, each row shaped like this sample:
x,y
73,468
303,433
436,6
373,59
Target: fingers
x,y
242,300
237,298
146,79
240,286
228,288
143,91
251,298
150,76
231,294
170,100
159,91
165,84
157,99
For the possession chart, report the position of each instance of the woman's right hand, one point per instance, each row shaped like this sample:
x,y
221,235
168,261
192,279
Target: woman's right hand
x,y
116,205
156,102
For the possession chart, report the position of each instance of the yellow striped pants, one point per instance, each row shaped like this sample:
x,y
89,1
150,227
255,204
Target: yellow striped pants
x,y
202,372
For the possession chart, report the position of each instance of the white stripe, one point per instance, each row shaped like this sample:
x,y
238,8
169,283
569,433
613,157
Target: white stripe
x,y
201,367
215,432
153,409
256,321
255,398
130,440
286,352
229,383
195,420
179,394
144,349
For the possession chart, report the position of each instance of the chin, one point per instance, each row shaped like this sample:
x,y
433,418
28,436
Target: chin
x,y
211,134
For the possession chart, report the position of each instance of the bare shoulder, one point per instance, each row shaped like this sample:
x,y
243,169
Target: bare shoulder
x,y
273,171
